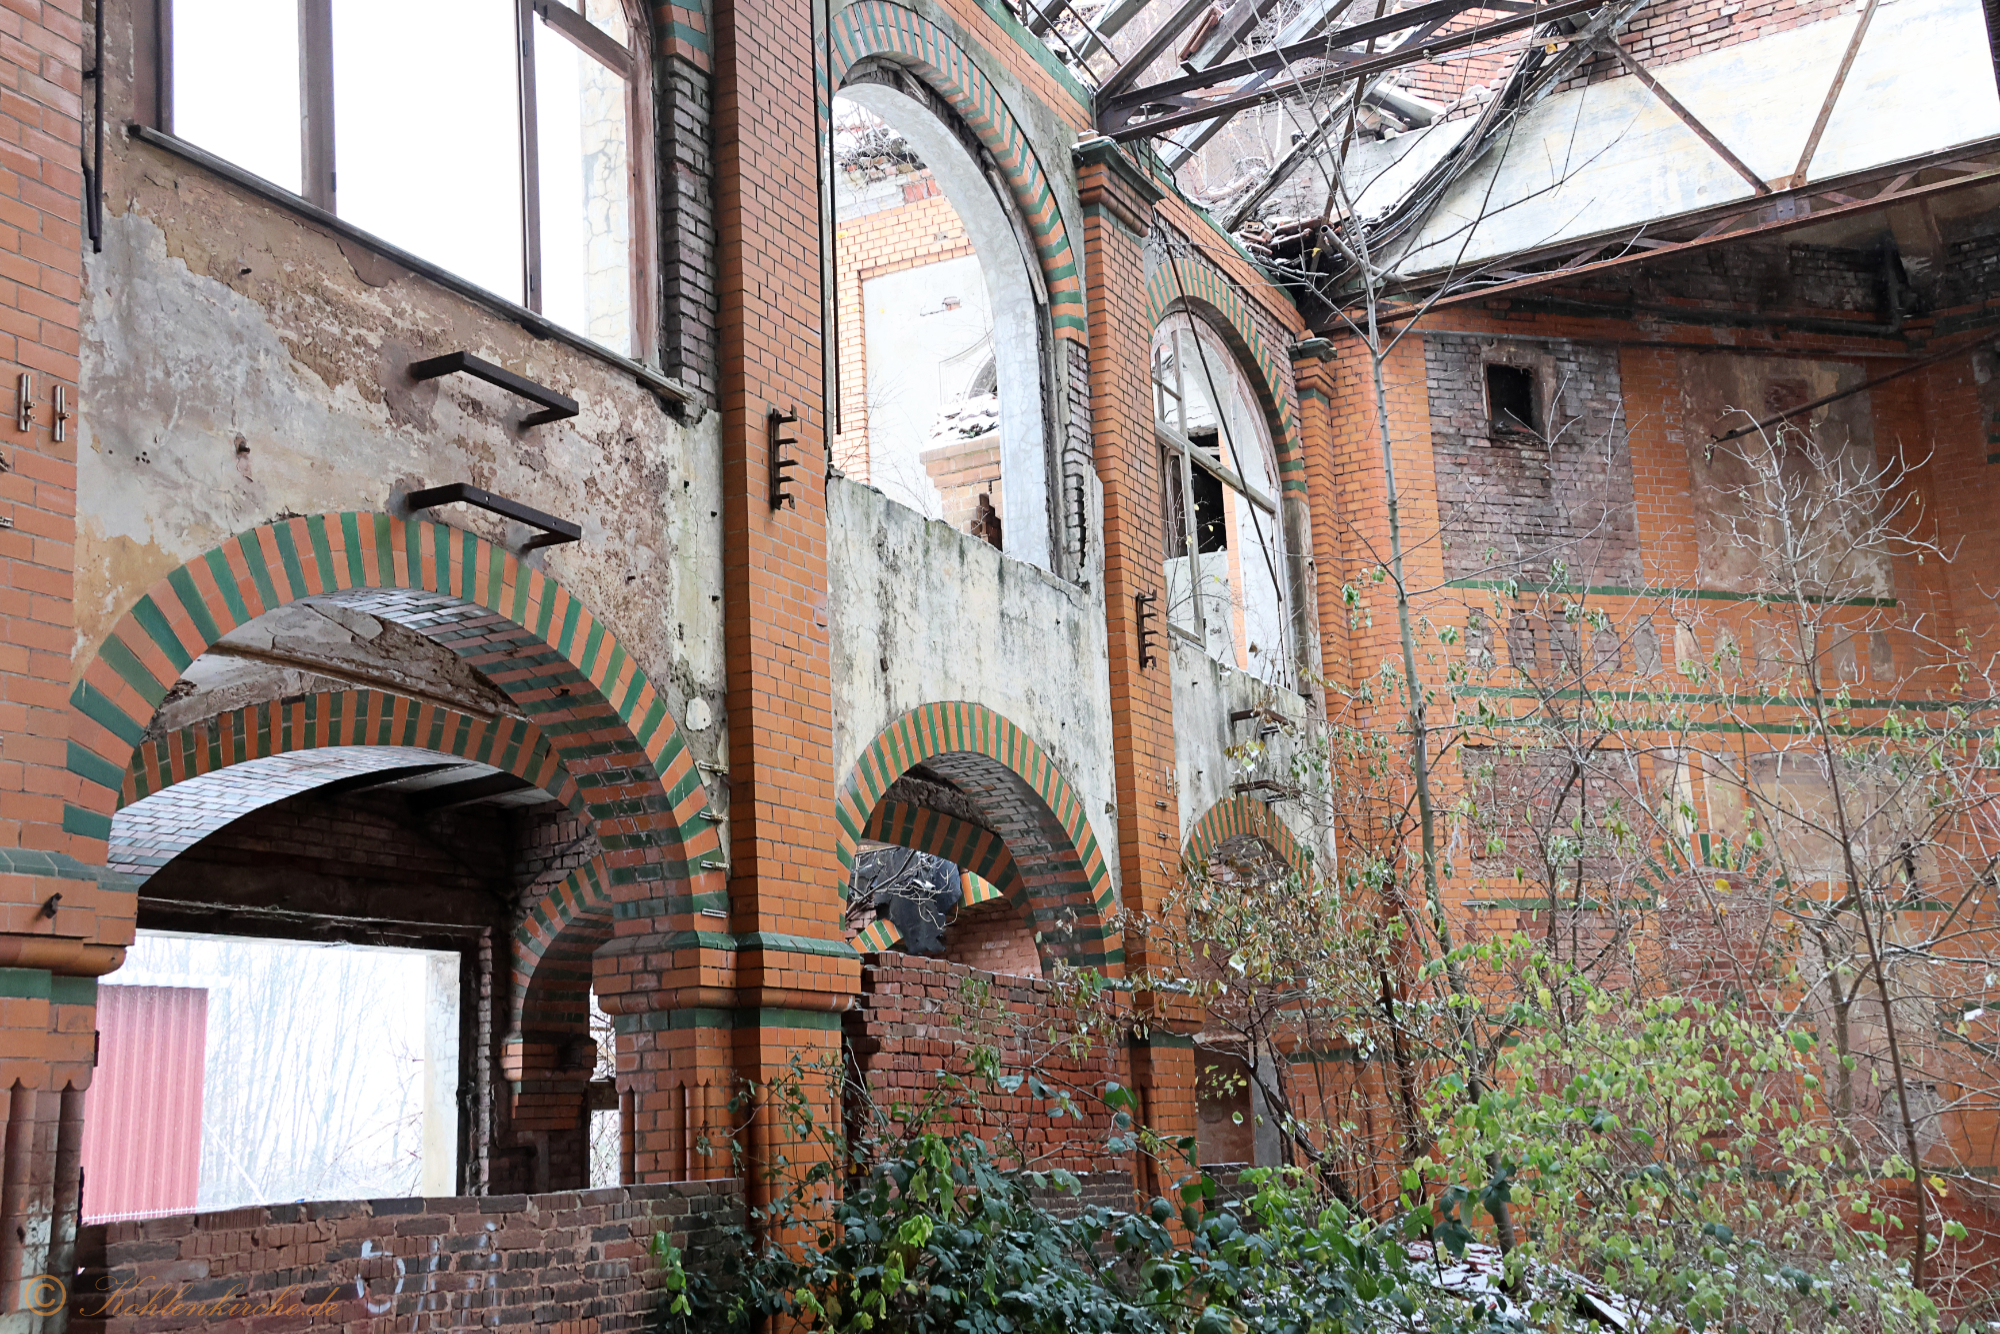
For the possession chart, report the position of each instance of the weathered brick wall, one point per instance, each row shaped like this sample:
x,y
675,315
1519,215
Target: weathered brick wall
x,y
576,1262
1659,34
964,472
686,191
920,1016
1804,278
993,938
1510,496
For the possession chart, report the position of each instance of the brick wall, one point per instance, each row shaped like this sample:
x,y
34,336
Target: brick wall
x,y
1512,496
1659,34
353,856
575,1262
47,1051
919,1016
994,938
686,194
962,473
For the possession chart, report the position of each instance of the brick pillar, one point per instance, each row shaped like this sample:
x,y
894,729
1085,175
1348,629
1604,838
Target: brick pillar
x,y
59,928
1117,205
1312,369
793,973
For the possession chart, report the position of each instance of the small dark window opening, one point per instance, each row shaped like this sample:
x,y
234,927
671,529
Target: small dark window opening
x,y
1211,528
1510,398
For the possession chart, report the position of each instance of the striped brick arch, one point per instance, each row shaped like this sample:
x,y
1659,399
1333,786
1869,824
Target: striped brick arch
x,y
1211,295
560,931
1244,817
584,699
878,28
960,842
1037,817
346,718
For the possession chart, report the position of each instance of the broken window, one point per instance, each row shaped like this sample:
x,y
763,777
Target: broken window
x,y
510,162
1225,562
1510,398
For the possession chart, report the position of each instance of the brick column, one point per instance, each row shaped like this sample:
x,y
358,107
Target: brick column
x,y
793,973
59,928
1313,371
1118,206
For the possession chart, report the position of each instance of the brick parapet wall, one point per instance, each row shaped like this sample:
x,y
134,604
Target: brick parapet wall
x,y
576,1262
918,1018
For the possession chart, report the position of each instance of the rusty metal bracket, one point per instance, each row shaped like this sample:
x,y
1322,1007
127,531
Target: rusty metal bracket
x,y
554,407
1142,610
554,532
775,422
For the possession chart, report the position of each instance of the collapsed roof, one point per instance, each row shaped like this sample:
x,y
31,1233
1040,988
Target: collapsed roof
x,y
1472,143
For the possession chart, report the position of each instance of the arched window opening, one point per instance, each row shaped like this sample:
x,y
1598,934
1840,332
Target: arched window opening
x,y
940,356
512,162
1226,566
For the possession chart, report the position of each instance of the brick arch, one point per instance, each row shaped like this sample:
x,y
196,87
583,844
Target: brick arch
x,y
1211,296
1243,817
888,30
553,946
1017,787
577,686
358,717
573,917
960,842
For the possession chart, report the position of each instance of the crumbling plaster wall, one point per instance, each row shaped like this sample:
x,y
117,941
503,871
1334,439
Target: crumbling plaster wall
x,y
239,365
922,613
1206,692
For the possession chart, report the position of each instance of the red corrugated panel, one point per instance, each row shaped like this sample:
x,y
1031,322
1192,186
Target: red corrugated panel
x,y
142,1120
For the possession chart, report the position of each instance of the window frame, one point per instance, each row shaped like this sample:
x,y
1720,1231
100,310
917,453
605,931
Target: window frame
x,y
319,160
1173,440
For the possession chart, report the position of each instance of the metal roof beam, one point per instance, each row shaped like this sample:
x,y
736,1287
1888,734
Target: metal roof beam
x,y
1115,117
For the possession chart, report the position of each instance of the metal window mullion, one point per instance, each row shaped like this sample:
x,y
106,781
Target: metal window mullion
x,y
531,167
316,157
585,36
1190,534
1222,472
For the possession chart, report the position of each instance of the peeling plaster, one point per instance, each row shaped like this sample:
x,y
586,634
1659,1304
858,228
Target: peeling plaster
x,y
238,366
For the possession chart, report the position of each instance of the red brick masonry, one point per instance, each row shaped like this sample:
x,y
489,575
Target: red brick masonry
x,y
577,1261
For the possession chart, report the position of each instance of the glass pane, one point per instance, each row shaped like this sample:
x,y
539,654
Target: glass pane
x,y
606,14
236,83
586,192
426,109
